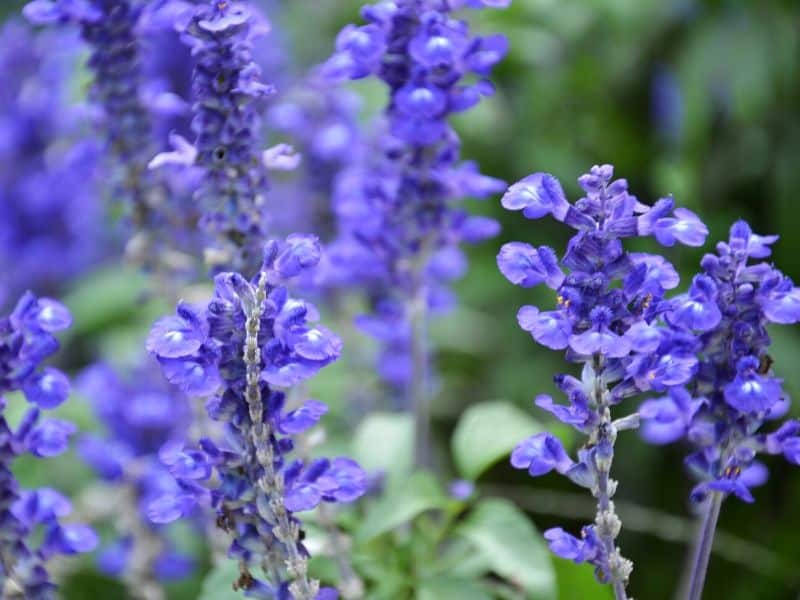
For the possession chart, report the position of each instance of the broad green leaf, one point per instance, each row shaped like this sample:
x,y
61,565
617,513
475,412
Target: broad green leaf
x,y
401,503
450,588
458,559
108,296
578,581
218,584
505,536
384,442
486,433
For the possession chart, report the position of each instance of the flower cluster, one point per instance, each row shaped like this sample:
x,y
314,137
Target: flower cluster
x,y
26,339
609,301
140,414
250,341
109,28
131,111
50,219
734,391
399,218
226,89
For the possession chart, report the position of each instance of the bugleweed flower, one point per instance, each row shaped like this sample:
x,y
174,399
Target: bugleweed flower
x,y
51,227
140,413
251,341
400,221
734,391
606,318
26,340
226,88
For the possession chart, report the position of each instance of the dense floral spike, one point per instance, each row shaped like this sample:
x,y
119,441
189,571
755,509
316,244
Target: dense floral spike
x,y
734,391
140,413
400,221
250,341
130,109
51,226
608,304
227,87
26,340
109,27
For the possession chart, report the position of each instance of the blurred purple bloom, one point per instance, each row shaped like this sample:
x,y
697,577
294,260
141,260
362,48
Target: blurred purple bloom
x,y
399,217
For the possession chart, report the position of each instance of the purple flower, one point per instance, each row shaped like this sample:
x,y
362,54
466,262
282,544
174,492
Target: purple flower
x,y
51,221
571,548
600,339
698,309
607,316
461,489
685,228
139,413
732,391
227,91
399,215
26,340
749,392
254,338
576,414
537,195
550,329
526,266
179,335
540,454
667,419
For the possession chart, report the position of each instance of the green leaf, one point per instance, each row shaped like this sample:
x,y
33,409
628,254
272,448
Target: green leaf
x,y
401,504
218,584
486,433
511,545
578,581
384,442
451,588
105,297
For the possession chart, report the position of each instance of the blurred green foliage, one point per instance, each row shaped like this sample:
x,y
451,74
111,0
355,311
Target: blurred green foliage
x,y
578,88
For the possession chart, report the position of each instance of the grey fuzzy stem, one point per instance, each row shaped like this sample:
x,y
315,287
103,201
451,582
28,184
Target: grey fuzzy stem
x,y
140,580
270,482
705,541
420,380
352,587
608,524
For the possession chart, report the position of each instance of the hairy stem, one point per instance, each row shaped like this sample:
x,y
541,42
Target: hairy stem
x,y
420,380
703,545
271,483
351,587
608,524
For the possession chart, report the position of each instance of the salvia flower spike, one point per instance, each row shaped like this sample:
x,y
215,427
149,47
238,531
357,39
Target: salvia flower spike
x,y
227,88
733,392
140,412
109,28
608,302
400,220
51,229
251,341
26,340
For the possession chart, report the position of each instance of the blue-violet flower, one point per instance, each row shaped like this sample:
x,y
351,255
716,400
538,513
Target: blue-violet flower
x,y
248,343
26,340
608,303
